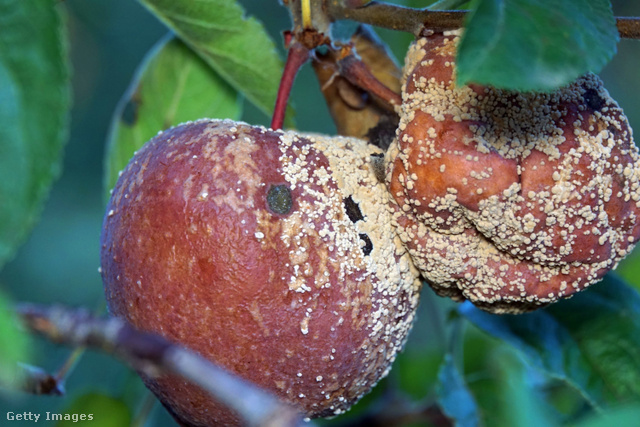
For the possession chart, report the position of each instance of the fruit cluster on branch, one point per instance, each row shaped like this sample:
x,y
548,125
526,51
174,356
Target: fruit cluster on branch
x,y
295,260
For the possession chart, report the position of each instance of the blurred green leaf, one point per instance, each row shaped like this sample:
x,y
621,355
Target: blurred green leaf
x,y
172,86
14,344
591,341
96,409
238,48
535,45
34,106
454,397
448,4
622,416
629,269
415,372
483,363
522,403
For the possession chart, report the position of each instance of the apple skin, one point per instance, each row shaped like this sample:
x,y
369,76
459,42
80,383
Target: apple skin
x,y
267,252
510,200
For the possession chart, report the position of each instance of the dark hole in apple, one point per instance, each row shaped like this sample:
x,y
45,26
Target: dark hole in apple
x,y
352,209
593,99
382,134
279,199
368,245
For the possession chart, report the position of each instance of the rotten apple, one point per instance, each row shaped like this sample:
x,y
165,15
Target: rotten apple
x,y
510,200
271,253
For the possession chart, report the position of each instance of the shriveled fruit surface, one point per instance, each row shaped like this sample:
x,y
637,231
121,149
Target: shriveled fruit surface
x,y
270,253
506,199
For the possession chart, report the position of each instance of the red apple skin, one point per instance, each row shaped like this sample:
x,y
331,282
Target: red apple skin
x,y
289,299
506,199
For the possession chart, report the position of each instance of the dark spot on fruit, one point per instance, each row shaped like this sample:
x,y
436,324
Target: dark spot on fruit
x,y
593,99
368,245
279,199
352,209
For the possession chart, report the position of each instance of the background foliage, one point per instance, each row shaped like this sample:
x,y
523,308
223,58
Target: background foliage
x,y
545,368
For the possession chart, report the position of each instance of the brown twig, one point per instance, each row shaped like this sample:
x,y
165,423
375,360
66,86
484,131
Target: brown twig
x,y
396,17
154,356
411,20
629,28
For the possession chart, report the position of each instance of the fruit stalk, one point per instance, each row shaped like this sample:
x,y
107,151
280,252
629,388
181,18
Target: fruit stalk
x,y
298,55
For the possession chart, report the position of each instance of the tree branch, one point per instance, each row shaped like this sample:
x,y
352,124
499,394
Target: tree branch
x,y
396,17
154,356
411,20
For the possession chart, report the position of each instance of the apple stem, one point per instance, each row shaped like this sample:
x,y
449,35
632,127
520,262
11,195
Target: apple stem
x,y
298,55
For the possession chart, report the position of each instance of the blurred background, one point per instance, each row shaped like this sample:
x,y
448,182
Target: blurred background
x,y
59,262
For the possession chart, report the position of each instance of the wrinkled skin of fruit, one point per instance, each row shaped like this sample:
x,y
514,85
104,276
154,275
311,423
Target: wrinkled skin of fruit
x,y
267,252
510,200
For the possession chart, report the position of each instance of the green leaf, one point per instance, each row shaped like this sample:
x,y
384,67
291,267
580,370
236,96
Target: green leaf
x,y
454,397
238,48
623,416
522,403
34,106
535,45
95,409
591,341
14,345
172,86
415,372
629,269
